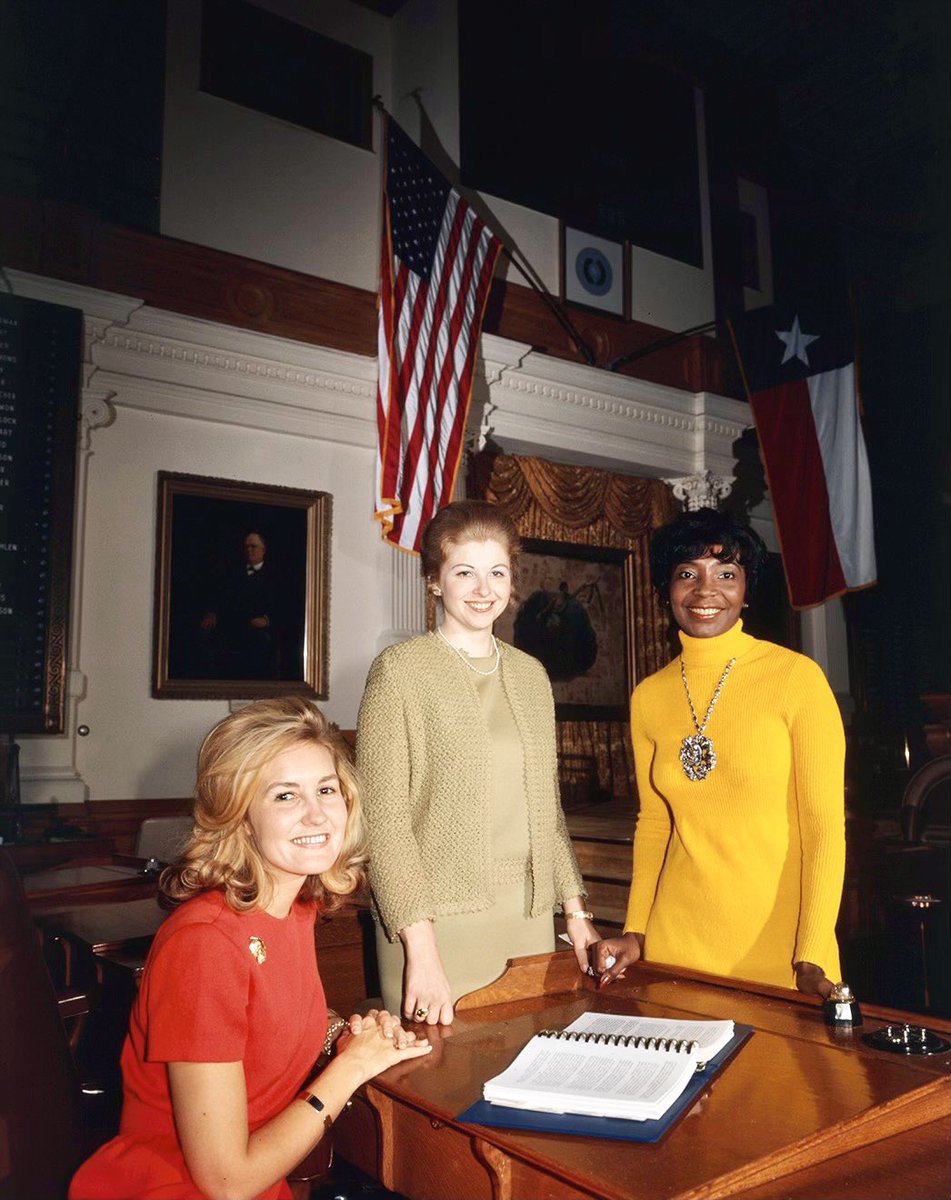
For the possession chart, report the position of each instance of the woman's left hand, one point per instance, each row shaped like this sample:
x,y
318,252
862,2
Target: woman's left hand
x,y
583,934
389,1026
812,980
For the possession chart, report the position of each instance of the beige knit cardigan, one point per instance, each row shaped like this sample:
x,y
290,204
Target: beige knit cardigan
x,y
424,755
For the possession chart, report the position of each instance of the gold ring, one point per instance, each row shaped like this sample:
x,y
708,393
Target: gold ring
x,y
421,1014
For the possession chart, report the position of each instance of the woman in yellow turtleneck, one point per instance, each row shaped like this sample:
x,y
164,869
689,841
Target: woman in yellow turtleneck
x,y
739,848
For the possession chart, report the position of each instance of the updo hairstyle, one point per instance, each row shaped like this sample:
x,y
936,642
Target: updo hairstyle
x,y
221,852
693,535
466,521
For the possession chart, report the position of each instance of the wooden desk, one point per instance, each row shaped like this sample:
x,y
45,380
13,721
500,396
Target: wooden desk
x,y
35,856
113,928
346,956
89,933
97,880
819,1111
119,931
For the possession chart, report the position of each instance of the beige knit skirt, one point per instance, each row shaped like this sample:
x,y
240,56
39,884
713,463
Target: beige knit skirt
x,y
474,947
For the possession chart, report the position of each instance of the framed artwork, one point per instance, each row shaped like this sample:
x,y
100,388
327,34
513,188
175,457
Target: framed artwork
x,y
242,590
594,272
575,613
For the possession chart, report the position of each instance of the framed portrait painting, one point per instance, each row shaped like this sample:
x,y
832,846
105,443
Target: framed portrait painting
x,y
242,590
575,614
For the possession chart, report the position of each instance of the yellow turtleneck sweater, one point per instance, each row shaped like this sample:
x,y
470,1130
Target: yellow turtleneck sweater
x,y
740,873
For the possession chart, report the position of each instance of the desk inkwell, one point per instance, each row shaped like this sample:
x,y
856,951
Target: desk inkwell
x,y
907,1039
841,1009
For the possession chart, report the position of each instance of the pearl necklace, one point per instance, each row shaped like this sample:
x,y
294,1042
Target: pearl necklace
x,y
465,657
697,755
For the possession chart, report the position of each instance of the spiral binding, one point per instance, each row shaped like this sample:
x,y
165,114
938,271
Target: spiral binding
x,y
637,1041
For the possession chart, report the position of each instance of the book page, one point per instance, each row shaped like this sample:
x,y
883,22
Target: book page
x,y
712,1036
591,1078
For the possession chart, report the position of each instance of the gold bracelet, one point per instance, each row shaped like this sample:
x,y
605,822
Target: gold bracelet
x,y
580,912
334,1030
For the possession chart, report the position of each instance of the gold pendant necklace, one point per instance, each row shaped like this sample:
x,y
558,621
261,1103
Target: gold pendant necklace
x,y
697,755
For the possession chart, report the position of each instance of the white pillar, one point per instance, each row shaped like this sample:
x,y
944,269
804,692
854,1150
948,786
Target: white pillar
x,y
407,599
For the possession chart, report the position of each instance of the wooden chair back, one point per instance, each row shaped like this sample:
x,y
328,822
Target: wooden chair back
x,y
41,1134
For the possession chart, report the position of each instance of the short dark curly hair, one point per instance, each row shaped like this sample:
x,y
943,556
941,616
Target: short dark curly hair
x,y
694,534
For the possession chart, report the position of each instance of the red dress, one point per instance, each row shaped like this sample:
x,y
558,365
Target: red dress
x,y
205,997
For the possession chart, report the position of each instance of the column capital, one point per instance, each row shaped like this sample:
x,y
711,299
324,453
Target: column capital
x,y
703,490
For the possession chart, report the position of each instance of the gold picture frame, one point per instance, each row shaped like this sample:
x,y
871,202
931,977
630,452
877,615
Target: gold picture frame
x,y
242,590
575,614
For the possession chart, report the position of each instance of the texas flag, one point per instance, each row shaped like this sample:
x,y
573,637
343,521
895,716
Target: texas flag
x,y
798,364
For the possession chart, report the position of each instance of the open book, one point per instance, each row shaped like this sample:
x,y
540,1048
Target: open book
x,y
609,1066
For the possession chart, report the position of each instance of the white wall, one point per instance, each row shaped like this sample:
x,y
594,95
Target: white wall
x,y
116,631
164,392
168,393
253,185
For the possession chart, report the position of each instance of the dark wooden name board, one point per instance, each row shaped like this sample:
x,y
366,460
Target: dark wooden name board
x,y
40,363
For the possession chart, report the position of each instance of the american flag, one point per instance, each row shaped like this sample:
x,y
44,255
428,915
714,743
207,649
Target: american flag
x,y
436,265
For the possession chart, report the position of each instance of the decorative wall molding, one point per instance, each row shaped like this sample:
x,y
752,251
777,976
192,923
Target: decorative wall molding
x,y
704,490
181,366
587,416
98,412
529,403
105,307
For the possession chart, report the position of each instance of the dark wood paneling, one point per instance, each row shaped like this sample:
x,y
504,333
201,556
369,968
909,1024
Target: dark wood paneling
x,y
83,829
70,243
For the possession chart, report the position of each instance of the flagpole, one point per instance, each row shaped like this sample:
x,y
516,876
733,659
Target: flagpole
x,y
528,272
510,252
671,340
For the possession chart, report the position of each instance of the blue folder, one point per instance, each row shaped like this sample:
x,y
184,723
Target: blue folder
x,y
498,1115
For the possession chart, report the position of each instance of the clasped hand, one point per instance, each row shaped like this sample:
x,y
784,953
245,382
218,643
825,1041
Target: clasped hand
x,y
373,1042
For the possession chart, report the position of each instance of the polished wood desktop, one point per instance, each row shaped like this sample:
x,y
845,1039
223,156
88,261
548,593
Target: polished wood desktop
x,y
36,855
93,937
96,880
801,1110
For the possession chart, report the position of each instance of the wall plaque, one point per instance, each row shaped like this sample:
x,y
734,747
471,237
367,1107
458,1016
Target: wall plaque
x,y
40,362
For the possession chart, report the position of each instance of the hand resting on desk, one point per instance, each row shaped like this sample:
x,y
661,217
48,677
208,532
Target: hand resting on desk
x,y
629,948
611,956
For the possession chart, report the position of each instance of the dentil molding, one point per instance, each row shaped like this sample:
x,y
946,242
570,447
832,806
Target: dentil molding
x,y
163,362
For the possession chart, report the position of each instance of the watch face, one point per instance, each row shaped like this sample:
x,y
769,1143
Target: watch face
x,y
593,271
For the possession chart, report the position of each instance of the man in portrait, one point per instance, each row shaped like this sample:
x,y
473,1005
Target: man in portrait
x,y
243,622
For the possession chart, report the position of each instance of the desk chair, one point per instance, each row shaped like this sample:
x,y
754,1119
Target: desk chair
x,y
41,1130
162,838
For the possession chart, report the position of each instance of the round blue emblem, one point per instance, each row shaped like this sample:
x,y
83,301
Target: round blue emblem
x,y
593,271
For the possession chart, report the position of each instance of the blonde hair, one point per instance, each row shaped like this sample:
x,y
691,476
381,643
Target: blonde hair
x,y
466,521
221,852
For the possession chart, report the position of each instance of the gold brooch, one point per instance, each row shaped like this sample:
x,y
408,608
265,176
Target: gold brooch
x,y
258,949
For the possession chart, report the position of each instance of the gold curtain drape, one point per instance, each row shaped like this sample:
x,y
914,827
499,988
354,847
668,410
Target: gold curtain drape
x,y
591,507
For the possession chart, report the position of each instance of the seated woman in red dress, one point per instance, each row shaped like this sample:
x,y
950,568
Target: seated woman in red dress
x,y
220,1096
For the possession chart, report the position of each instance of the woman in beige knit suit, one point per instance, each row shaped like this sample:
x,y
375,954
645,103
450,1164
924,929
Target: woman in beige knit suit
x,y
469,854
